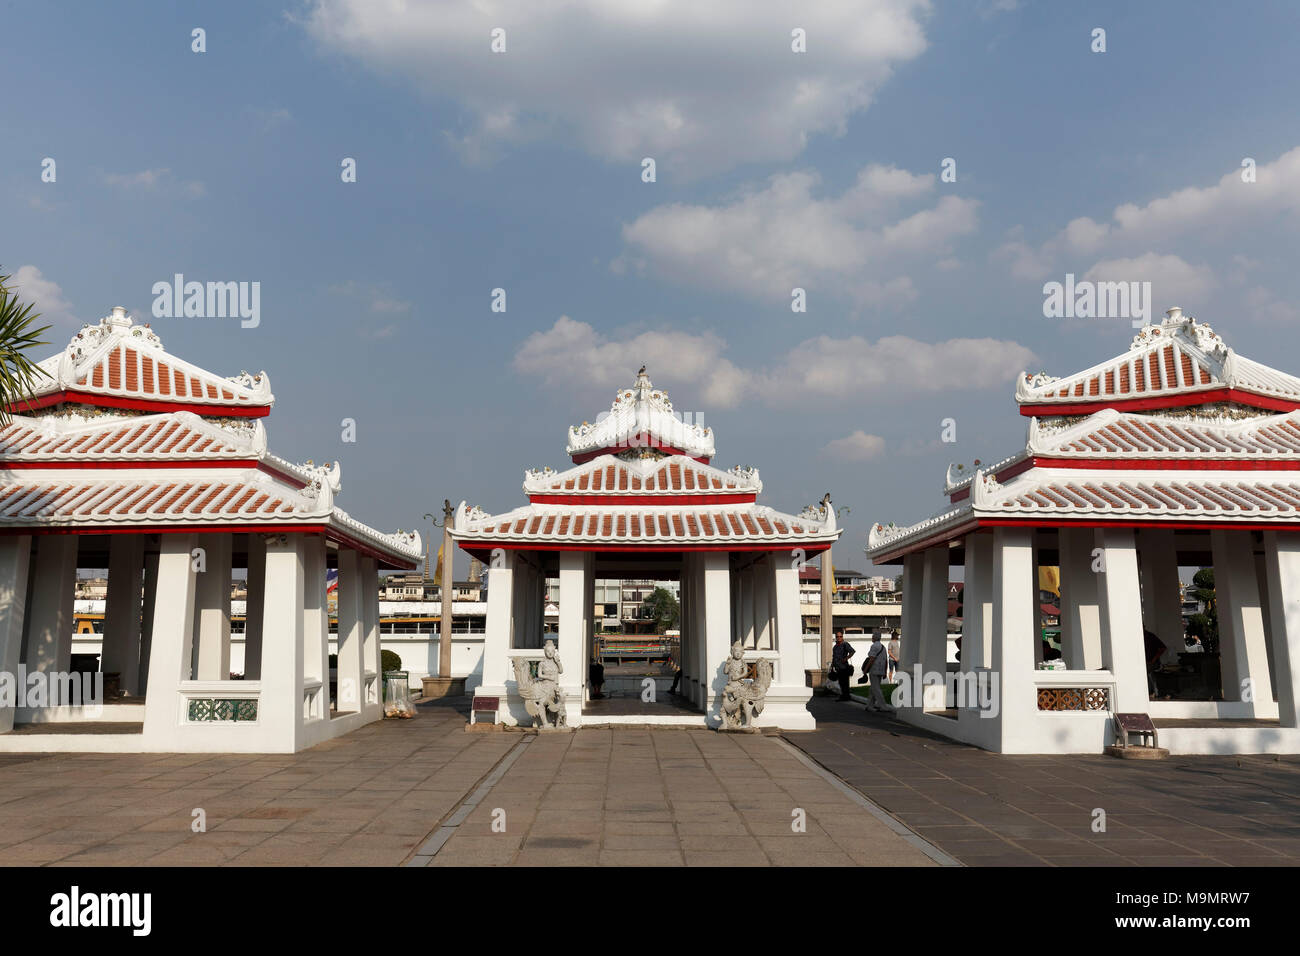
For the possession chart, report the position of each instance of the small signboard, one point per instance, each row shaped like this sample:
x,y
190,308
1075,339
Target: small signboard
x,y
486,703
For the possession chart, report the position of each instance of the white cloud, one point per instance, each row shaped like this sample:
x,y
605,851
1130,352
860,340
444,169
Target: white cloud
x,y
1156,238
701,87
858,446
1173,281
151,180
766,242
572,351
841,368
1266,305
32,287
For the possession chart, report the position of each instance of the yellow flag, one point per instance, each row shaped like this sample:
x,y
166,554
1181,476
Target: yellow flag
x,y
1049,579
437,574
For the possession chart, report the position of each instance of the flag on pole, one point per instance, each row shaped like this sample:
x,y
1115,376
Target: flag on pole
x,y
437,574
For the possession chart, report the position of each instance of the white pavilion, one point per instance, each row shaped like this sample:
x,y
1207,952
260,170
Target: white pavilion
x,y
1178,453
129,458
642,500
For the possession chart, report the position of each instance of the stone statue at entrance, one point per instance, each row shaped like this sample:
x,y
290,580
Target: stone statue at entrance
x,y
541,694
742,697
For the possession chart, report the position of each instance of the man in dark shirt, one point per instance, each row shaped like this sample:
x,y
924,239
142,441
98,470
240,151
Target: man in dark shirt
x,y
841,669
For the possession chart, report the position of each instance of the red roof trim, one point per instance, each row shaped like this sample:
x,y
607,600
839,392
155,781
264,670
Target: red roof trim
x,y
139,405
488,546
961,530
1271,463
583,457
1182,400
662,500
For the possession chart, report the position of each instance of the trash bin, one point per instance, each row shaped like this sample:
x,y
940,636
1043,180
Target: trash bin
x,y
397,694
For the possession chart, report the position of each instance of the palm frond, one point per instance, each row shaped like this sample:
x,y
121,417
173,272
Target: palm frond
x,y
18,373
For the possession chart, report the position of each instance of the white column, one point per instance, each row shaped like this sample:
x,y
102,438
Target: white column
x,y
371,647
316,623
909,650
151,559
1282,567
575,570
1080,603
977,603
1015,596
717,623
281,702
49,619
761,585
15,560
212,605
1122,648
171,643
499,628
788,696
1162,606
934,611
351,673
254,606
1242,654
1266,613
588,625
704,679
122,610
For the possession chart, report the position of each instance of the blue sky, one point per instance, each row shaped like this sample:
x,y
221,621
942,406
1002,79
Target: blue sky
x,y
522,170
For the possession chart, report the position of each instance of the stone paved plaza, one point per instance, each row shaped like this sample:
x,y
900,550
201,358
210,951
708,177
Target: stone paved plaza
x,y
425,792
990,809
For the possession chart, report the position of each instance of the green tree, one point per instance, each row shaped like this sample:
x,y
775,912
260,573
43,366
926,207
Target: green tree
x,y
1205,625
17,372
664,609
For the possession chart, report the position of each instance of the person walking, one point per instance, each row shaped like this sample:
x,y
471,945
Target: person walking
x,y
875,668
675,663
893,649
841,669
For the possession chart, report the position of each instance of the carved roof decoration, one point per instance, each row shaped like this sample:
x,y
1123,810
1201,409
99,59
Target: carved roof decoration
x,y
1175,360
125,365
612,476
1218,442
121,434
744,526
641,417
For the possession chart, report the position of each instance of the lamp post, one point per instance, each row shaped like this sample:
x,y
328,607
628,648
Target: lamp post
x,y
444,685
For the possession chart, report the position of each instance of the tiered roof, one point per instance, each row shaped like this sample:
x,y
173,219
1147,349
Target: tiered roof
x,y
117,364
122,436
634,487
1179,430
640,417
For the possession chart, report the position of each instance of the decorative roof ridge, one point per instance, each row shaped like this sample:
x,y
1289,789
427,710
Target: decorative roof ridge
x,y
407,543
641,410
956,478
1196,338
94,341
881,536
1044,437
540,480
1053,442
247,436
329,476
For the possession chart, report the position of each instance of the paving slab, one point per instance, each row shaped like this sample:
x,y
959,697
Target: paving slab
x,y
990,809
